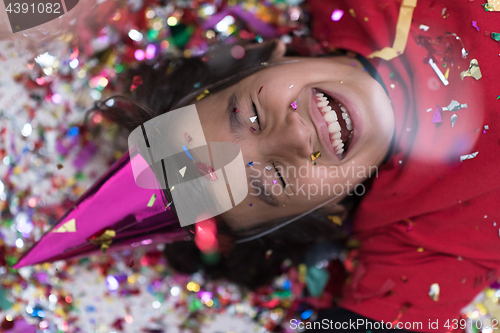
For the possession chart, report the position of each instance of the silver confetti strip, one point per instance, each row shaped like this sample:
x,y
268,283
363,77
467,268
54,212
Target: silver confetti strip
x,y
468,156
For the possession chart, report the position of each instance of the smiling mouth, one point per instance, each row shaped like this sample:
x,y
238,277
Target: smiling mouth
x,y
338,121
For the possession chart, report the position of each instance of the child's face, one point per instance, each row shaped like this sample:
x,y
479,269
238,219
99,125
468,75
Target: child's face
x,y
287,137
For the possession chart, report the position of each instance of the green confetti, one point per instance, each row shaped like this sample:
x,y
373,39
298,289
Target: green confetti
x,y
495,36
152,200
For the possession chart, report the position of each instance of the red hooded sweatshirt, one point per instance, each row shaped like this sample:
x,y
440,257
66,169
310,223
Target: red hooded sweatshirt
x,y
430,220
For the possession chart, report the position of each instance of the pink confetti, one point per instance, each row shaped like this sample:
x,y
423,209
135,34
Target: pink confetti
x,y
474,24
337,15
275,182
436,118
294,105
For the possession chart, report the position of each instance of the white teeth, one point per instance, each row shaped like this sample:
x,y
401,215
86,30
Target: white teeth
x,y
326,109
322,104
339,151
330,117
343,108
344,115
337,142
349,127
334,127
348,120
319,94
336,136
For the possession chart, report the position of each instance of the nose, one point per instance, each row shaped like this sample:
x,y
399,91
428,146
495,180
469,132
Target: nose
x,y
291,137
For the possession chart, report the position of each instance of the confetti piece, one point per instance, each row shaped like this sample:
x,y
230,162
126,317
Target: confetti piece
x,y
203,94
69,226
253,119
188,138
438,72
423,27
260,89
420,249
447,74
152,200
436,118
351,11
250,163
136,82
468,156
197,85
253,128
428,110
315,155
337,15
434,292
187,153
236,110
103,239
495,36
182,171
486,127
473,70
453,119
474,24
290,87
250,204
206,170
268,168
275,182
294,105
454,106
492,5
59,166
335,219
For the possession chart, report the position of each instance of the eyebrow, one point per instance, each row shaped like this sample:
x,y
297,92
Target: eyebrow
x,y
235,122
263,195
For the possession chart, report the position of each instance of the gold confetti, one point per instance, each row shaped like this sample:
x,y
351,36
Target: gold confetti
x,y
335,219
434,292
447,74
473,70
104,239
69,226
203,94
315,155
351,11
420,249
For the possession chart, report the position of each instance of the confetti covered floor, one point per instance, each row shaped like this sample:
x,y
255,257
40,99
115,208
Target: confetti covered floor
x,y
48,158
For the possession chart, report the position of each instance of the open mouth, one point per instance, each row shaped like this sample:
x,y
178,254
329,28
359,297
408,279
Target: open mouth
x,y
337,120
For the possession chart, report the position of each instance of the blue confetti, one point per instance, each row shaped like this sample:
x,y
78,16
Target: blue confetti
x,y
306,314
250,163
73,131
187,153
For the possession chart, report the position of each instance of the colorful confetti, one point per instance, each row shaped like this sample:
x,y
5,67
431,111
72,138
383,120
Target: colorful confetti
x,y
454,106
473,70
152,200
434,292
315,155
436,118
337,15
187,152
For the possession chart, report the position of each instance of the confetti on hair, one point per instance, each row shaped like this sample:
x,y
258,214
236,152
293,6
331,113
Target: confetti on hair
x,y
203,94
468,156
253,119
337,15
188,138
182,171
454,106
136,82
260,89
335,219
453,119
474,24
187,152
197,85
473,70
250,163
424,27
315,155
152,200
253,128
434,292
59,166
436,118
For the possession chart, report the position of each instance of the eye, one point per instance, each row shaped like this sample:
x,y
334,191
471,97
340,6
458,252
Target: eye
x,y
279,175
256,113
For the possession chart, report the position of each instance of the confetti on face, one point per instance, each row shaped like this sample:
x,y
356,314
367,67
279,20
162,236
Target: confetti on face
x,y
253,129
260,89
474,24
275,182
473,70
203,94
253,119
434,292
468,156
250,205
315,155
250,163
182,171
290,87
236,110
453,119
436,118
294,105
268,168
337,15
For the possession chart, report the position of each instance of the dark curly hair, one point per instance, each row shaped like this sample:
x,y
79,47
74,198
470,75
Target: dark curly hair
x,y
165,84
